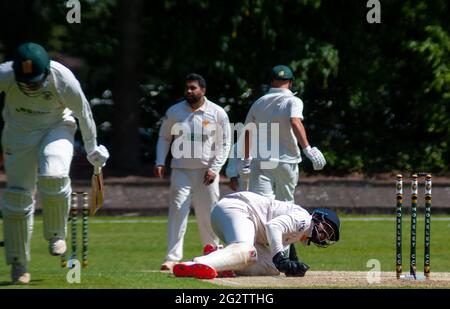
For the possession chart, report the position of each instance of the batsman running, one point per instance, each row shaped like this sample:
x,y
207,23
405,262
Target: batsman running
x,y
42,97
257,230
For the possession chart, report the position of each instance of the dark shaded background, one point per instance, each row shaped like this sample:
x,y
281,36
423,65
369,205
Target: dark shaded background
x,y
377,96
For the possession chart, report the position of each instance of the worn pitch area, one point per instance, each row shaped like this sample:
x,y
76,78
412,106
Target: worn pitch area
x,y
338,279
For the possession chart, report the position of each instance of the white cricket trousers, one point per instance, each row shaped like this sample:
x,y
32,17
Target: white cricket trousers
x,y
41,157
44,153
187,187
233,223
278,183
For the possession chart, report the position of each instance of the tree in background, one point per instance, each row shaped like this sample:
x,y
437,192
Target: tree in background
x,y
126,113
376,95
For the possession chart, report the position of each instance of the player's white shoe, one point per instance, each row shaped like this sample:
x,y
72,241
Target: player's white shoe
x,y
167,265
19,274
196,270
57,246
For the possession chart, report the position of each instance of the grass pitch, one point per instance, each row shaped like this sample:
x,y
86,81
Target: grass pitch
x,y
126,252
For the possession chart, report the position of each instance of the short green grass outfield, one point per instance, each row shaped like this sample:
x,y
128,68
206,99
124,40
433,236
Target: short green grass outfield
x,y
126,252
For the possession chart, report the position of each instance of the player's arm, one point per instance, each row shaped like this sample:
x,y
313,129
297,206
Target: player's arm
x,y
289,265
299,132
223,143
244,148
232,170
312,153
275,229
163,145
76,101
248,125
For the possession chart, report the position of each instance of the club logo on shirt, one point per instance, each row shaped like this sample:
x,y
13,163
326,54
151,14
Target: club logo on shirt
x,y
27,111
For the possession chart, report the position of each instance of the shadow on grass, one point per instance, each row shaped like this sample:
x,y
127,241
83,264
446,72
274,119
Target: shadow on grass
x,y
9,283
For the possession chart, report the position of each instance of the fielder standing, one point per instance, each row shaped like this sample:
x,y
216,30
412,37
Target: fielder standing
x,y
42,97
256,230
281,107
200,131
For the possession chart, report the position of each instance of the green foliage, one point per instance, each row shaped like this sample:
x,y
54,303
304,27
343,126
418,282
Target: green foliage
x,y
435,53
376,96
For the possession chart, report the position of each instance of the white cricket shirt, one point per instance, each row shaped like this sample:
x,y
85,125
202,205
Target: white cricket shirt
x,y
277,223
277,106
201,138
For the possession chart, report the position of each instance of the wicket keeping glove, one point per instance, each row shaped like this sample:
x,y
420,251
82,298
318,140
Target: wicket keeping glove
x,y
288,267
98,156
316,157
244,169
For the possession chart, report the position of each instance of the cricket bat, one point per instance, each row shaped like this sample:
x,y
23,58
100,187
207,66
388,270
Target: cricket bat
x,y
246,182
97,191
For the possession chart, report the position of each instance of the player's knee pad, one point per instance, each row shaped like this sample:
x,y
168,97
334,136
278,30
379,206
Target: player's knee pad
x,y
235,256
263,266
55,196
17,203
18,209
54,187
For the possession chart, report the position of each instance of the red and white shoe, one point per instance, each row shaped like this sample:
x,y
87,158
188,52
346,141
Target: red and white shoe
x,y
208,248
211,248
195,270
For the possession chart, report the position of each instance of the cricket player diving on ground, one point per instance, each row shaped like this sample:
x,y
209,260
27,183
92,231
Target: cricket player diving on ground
x,y
42,97
200,131
257,230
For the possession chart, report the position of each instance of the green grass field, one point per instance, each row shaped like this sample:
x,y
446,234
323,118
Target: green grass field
x,y
126,252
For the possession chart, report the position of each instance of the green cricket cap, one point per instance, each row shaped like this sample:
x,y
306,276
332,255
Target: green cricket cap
x,y
31,63
281,72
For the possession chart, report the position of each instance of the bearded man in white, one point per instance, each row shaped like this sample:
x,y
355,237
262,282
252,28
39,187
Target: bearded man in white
x,y
200,131
42,97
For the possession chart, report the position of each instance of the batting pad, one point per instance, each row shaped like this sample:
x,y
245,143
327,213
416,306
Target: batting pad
x,y
55,196
235,256
263,266
18,209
